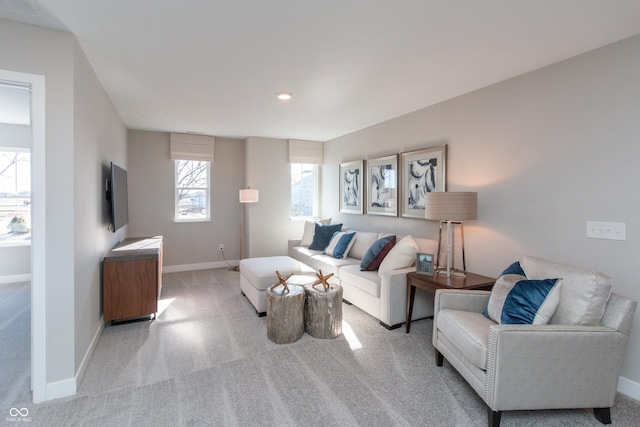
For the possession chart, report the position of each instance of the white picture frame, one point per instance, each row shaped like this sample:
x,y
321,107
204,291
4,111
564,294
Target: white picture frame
x,y
422,171
351,187
382,186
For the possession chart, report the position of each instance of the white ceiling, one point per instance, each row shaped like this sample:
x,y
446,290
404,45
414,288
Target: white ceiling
x,y
215,66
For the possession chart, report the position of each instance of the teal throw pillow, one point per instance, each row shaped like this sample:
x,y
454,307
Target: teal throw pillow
x,y
322,236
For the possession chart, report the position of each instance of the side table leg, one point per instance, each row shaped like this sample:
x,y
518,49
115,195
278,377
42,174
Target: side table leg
x,y
411,294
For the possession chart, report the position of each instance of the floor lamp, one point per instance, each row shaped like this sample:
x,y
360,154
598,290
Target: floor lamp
x,y
451,208
246,195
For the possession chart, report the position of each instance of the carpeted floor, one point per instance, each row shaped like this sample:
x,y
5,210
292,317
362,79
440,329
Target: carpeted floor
x,y
206,360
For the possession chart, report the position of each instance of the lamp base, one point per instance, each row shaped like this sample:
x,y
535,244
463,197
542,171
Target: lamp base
x,y
458,273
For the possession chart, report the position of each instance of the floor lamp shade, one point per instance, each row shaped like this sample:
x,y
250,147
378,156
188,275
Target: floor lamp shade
x,y
249,195
451,208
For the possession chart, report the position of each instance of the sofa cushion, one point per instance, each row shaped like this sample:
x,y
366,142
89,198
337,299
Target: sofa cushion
x,y
310,229
468,332
340,244
402,255
517,300
376,253
304,254
583,294
363,240
322,235
329,264
367,281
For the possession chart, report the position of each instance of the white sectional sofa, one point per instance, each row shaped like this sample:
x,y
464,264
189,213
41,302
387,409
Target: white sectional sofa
x,y
381,295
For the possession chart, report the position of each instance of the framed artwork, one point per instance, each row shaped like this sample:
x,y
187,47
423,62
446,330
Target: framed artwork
x,y
423,171
382,186
351,190
424,263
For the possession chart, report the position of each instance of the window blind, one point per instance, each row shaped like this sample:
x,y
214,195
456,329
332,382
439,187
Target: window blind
x,y
186,146
311,152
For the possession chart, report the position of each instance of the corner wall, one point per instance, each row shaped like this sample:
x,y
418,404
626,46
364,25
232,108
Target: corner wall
x,y
546,152
152,196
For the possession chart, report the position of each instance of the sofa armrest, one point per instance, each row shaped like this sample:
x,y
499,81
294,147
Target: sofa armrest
x,y
292,243
559,366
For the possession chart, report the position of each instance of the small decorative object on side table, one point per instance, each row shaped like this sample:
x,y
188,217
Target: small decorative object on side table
x,y
432,282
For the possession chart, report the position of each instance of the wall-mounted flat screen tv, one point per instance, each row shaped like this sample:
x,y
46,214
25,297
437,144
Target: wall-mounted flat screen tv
x,y
118,196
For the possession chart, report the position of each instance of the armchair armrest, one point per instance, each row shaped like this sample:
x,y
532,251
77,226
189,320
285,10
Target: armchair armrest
x,y
463,300
559,366
457,299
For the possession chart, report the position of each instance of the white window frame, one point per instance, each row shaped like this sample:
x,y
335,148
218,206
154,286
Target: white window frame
x,y
316,192
207,189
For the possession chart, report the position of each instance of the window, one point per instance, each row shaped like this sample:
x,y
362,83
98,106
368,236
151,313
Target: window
x,y
15,196
192,190
304,190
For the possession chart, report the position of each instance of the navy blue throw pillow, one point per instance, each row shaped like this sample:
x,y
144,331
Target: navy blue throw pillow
x,y
322,236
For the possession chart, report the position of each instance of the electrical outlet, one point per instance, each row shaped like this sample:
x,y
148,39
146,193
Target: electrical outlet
x,y
221,247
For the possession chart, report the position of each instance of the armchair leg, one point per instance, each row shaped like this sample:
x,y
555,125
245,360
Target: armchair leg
x,y
494,417
603,415
439,358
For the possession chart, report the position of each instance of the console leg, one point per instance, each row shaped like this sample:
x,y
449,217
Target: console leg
x,y
603,415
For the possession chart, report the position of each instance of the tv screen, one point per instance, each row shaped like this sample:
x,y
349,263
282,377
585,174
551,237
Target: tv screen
x,y
119,197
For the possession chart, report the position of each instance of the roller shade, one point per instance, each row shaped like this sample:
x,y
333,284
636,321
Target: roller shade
x,y
186,146
306,152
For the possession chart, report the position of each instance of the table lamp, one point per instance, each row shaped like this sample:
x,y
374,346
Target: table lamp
x,y
451,208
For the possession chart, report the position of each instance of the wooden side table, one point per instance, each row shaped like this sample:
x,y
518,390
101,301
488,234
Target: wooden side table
x,y
438,281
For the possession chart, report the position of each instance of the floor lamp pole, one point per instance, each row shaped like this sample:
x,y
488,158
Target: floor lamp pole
x,y
237,267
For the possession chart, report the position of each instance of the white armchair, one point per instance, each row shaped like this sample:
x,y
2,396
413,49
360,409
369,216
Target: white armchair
x,y
525,367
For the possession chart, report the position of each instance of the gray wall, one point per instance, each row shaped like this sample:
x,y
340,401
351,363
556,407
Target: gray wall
x,y
546,152
78,116
151,201
99,138
268,222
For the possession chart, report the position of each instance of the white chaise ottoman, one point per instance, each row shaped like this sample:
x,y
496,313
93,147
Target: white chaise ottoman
x,y
258,274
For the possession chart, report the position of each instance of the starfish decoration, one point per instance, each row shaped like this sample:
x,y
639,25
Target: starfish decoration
x,y
322,279
282,281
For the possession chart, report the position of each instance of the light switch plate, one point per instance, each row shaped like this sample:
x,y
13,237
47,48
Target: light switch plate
x,y
606,230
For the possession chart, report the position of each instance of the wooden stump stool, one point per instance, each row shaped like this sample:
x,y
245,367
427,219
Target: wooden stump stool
x,y
285,314
323,311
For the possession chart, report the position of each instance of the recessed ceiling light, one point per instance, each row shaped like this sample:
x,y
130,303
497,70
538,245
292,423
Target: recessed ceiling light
x,y
284,96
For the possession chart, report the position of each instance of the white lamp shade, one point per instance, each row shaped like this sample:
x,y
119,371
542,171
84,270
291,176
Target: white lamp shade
x,y
248,195
451,206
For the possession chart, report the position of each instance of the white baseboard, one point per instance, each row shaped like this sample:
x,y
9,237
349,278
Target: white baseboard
x,y
60,389
69,387
201,266
15,278
629,388
87,355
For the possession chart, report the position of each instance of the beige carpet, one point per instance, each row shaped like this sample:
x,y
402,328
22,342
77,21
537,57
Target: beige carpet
x,y
206,361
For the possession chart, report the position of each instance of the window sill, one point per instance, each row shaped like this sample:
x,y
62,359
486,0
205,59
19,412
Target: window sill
x,y
14,243
188,221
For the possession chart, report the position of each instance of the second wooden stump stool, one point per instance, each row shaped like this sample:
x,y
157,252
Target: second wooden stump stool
x,y
323,311
285,314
